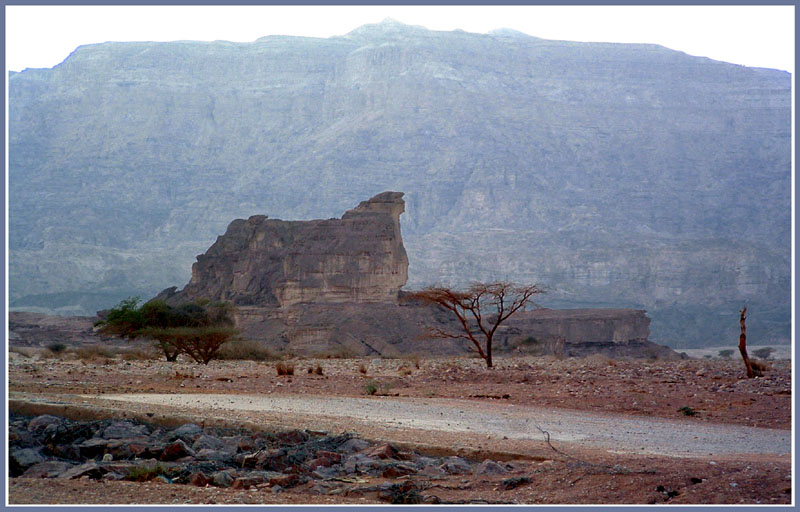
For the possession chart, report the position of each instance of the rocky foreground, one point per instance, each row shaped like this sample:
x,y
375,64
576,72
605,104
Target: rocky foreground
x,y
111,450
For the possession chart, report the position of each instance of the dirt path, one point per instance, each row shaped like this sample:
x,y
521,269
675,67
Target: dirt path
x,y
618,434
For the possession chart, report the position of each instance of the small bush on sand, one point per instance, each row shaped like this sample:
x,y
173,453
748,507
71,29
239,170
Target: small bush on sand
x,y
94,352
318,370
726,354
284,369
246,350
371,387
56,347
139,354
362,369
688,411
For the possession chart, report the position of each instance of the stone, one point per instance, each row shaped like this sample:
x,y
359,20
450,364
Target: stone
x,y
514,482
211,454
91,469
176,450
490,467
455,466
354,445
187,432
24,458
199,479
384,451
124,429
222,478
397,470
40,422
47,469
292,436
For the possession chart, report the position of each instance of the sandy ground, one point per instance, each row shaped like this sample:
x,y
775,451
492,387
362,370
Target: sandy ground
x,y
600,413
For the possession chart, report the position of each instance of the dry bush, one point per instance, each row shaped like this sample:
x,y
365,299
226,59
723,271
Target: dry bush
x,y
405,371
246,349
310,370
23,351
139,354
94,353
362,369
318,370
284,369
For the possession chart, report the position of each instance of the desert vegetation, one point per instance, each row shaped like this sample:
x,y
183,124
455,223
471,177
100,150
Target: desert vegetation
x,y
197,329
480,310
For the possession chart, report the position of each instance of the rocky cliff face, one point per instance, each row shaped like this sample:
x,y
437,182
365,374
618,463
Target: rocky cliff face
x,y
359,258
618,175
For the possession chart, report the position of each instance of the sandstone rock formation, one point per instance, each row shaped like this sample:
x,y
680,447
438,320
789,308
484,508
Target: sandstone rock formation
x,y
359,258
334,287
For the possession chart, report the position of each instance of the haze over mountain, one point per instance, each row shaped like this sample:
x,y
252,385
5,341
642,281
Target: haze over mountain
x,y
618,175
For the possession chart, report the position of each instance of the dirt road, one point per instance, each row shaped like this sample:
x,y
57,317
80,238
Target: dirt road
x,y
619,434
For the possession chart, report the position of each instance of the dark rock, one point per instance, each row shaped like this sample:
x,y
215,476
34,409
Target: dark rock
x,y
41,422
397,470
384,451
220,455
93,448
187,432
124,430
354,445
23,458
223,478
514,482
490,467
199,479
176,450
47,469
91,469
455,466
292,437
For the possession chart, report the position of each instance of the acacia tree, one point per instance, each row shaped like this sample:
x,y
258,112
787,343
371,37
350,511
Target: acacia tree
x,y
480,309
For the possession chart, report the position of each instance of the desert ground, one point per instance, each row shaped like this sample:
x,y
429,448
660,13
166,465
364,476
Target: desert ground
x,y
590,430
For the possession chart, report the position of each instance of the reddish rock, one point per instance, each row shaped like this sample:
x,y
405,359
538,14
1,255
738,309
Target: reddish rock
x,y
199,479
384,451
397,470
176,450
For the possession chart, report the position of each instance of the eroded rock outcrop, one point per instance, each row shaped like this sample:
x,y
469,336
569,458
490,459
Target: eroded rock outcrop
x,y
359,258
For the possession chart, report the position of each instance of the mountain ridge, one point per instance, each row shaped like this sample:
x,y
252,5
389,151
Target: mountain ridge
x,y
628,175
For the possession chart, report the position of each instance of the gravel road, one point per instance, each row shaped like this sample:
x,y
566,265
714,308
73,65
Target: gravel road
x,y
619,434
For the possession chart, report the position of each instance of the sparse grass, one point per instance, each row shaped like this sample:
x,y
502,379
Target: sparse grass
x,y
139,354
245,349
284,369
94,353
23,351
404,371
143,474
371,387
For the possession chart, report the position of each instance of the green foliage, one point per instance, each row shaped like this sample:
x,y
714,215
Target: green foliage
x,y
371,387
197,329
145,473
726,354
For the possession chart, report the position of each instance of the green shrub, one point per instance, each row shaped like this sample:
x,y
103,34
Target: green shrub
x,y
197,329
371,387
763,353
143,474
688,411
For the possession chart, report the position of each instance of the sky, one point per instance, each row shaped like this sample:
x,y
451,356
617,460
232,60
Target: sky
x,y
761,36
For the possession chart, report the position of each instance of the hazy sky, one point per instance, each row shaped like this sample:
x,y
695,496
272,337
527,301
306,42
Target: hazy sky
x,y
43,36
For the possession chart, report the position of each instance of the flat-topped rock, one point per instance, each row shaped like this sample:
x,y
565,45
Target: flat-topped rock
x,y
359,258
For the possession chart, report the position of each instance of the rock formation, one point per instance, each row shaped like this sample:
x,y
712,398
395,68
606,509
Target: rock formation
x,y
334,287
359,258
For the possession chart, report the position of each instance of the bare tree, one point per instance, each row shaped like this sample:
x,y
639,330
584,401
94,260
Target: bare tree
x,y
752,369
480,310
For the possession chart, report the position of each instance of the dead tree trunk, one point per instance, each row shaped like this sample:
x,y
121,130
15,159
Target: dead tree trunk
x,y
751,372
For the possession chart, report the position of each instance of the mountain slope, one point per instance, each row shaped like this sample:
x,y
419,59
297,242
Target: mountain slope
x,y
618,175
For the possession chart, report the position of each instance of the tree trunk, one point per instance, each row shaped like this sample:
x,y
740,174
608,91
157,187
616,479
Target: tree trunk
x,y
489,353
751,372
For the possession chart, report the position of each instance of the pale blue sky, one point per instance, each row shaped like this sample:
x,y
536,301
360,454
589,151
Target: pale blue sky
x,y
43,36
